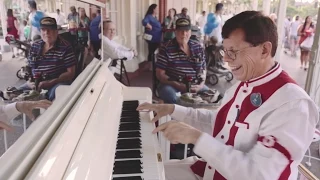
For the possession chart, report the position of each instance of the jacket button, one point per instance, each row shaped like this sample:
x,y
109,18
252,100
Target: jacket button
x,y
245,91
229,122
222,136
237,106
209,167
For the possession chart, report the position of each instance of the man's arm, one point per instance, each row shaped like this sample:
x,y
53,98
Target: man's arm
x,y
201,119
8,112
284,136
114,51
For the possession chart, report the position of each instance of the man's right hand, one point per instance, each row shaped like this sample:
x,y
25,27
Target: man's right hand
x,y
160,109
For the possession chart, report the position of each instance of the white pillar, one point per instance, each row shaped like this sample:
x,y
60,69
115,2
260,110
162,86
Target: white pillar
x,y
3,17
254,5
280,24
266,7
313,80
205,6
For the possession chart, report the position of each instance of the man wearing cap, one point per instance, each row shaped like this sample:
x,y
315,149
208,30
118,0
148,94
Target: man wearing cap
x,y
179,57
52,58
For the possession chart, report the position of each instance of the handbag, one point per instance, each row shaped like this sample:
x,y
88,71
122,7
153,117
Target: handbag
x,y
307,43
147,37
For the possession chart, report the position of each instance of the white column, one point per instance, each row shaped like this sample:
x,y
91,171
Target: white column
x,y
312,86
254,5
205,6
266,7
280,24
3,17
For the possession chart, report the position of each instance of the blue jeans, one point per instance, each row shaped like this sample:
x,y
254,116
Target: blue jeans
x,y
168,93
51,94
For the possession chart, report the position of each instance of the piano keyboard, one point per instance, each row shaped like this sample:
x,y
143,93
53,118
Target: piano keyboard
x,y
135,157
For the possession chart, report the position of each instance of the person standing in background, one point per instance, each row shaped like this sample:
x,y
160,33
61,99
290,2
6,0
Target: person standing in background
x,y
294,35
153,30
202,20
83,30
170,25
12,28
34,20
61,20
95,30
217,31
73,21
184,13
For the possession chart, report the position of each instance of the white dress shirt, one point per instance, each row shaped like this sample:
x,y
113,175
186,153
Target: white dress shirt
x,y
114,50
261,131
8,112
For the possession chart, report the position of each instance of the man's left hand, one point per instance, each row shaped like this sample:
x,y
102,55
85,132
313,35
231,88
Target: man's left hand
x,y
196,88
26,107
178,132
45,84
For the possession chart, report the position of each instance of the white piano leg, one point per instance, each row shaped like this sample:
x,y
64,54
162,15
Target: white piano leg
x,y
164,143
185,151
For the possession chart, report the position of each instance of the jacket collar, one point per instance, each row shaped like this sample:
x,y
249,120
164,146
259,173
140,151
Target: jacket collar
x,y
271,74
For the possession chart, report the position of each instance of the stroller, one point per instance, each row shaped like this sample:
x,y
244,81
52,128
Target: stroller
x,y
215,65
22,45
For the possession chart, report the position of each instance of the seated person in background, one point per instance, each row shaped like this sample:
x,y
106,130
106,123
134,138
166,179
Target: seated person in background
x,y
180,56
112,49
52,58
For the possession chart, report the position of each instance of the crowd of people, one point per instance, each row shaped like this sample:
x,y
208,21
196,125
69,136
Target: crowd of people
x,y
265,122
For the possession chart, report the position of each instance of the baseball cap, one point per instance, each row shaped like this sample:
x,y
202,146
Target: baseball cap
x,y
48,23
183,24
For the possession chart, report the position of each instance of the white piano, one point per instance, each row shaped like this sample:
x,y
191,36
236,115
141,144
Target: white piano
x,y
91,132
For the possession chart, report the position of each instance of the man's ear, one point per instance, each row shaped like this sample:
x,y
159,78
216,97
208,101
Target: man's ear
x,y
266,50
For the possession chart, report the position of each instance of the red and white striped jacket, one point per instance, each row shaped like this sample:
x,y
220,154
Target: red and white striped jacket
x,y
261,131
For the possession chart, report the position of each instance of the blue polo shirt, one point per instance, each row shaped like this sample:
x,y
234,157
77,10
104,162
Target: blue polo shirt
x,y
94,29
176,62
54,62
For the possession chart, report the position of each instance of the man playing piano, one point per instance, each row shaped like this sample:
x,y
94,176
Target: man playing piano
x,y
265,123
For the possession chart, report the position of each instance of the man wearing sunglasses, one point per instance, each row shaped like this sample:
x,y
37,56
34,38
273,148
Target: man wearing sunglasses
x,y
266,121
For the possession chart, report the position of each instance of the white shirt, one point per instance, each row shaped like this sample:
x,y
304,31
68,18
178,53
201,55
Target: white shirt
x,y
34,30
8,112
217,32
294,28
243,140
61,20
114,50
202,20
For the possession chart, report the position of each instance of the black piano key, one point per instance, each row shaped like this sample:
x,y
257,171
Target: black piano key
x,y
130,119
127,163
130,134
127,170
128,154
129,126
128,178
129,144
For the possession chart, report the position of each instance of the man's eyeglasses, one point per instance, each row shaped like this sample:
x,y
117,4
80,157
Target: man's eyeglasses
x,y
232,54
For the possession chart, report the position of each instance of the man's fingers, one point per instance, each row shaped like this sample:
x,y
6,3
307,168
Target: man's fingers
x,y
145,106
5,126
160,127
156,118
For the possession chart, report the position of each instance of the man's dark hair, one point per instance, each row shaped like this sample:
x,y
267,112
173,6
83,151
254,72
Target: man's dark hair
x,y
99,11
58,10
219,6
32,4
257,28
297,18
